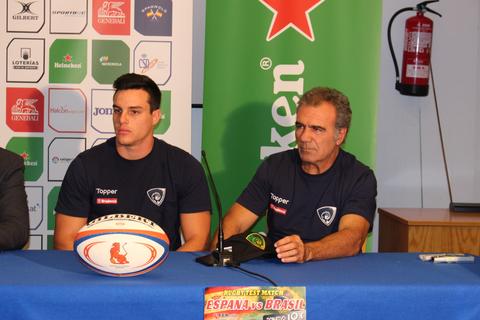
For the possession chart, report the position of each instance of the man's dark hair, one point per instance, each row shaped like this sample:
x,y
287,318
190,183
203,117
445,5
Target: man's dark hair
x,y
317,96
138,81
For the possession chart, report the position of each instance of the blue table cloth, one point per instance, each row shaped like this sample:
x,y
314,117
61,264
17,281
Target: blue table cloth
x,y
55,285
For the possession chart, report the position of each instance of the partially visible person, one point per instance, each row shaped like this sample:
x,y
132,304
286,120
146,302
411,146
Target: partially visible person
x,y
136,173
319,199
14,217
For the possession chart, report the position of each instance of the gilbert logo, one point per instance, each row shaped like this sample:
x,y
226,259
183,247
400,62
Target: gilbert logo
x,y
327,214
157,195
291,14
26,13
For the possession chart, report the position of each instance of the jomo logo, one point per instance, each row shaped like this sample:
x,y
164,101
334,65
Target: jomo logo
x,y
102,111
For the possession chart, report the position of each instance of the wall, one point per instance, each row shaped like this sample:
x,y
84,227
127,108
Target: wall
x,y
409,169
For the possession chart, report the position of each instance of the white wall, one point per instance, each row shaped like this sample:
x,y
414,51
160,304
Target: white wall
x,y
197,74
410,168
409,165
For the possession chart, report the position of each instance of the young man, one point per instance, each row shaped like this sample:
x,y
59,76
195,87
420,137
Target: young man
x,y
319,200
14,219
134,172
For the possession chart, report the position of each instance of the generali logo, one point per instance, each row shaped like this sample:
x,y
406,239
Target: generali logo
x,y
25,109
111,17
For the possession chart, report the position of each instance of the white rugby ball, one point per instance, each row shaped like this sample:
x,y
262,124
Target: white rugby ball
x,y
121,245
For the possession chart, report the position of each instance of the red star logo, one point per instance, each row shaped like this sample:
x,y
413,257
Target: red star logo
x,y
291,13
24,155
68,58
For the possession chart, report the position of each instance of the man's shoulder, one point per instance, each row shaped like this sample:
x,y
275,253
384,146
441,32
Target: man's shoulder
x,y
9,159
98,151
8,156
173,153
287,157
350,163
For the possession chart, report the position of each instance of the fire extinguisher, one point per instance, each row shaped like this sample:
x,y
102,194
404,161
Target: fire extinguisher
x,y
417,49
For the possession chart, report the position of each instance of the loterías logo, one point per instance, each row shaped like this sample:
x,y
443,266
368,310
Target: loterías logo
x,y
291,14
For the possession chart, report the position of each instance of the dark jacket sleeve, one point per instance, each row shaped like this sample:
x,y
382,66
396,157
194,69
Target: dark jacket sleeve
x,y
14,217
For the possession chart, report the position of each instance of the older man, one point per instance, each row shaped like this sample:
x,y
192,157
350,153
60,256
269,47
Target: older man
x,y
319,200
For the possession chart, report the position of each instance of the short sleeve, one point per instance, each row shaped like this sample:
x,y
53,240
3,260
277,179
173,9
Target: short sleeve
x,y
194,195
361,199
256,195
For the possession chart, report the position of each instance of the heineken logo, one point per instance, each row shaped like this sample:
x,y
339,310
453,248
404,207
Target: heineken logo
x,y
288,86
291,14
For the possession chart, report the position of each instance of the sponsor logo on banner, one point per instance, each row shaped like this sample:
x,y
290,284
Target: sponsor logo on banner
x,y
31,150
52,202
111,17
61,153
153,17
68,17
25,109
25,16
25,60
291,14
165,108
110,59
68,61
67,110
154,59
101,110
35,206
157,195
287,84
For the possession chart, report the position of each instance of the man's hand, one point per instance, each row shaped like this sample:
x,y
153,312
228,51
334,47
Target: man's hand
x,y
292,249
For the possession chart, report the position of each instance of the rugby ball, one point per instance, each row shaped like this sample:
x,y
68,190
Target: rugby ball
x,y
121,245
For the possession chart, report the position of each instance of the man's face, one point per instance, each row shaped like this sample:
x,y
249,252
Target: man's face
x,y
317,137
132,119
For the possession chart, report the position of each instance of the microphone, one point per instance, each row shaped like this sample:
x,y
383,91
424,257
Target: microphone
x,y
220,257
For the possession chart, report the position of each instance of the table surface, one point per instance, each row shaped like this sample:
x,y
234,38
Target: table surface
x,y
431,216
55,285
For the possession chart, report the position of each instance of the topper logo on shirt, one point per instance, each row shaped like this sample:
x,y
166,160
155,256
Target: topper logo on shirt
x,y
157,195
278,199
327,214
108,196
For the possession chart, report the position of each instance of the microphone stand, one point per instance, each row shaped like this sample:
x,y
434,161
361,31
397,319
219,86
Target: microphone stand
x,y
220,257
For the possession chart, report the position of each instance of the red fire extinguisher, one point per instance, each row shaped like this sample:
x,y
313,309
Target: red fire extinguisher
x,y
417,49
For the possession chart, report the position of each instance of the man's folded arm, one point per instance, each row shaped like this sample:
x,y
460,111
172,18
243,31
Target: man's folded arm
x,y
66,228
347,241
196,230
237,220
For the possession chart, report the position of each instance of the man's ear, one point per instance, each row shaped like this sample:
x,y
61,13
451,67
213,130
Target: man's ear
x,y
156,116
341,134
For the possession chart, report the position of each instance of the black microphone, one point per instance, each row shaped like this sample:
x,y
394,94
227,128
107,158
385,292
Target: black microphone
x,y
219,257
